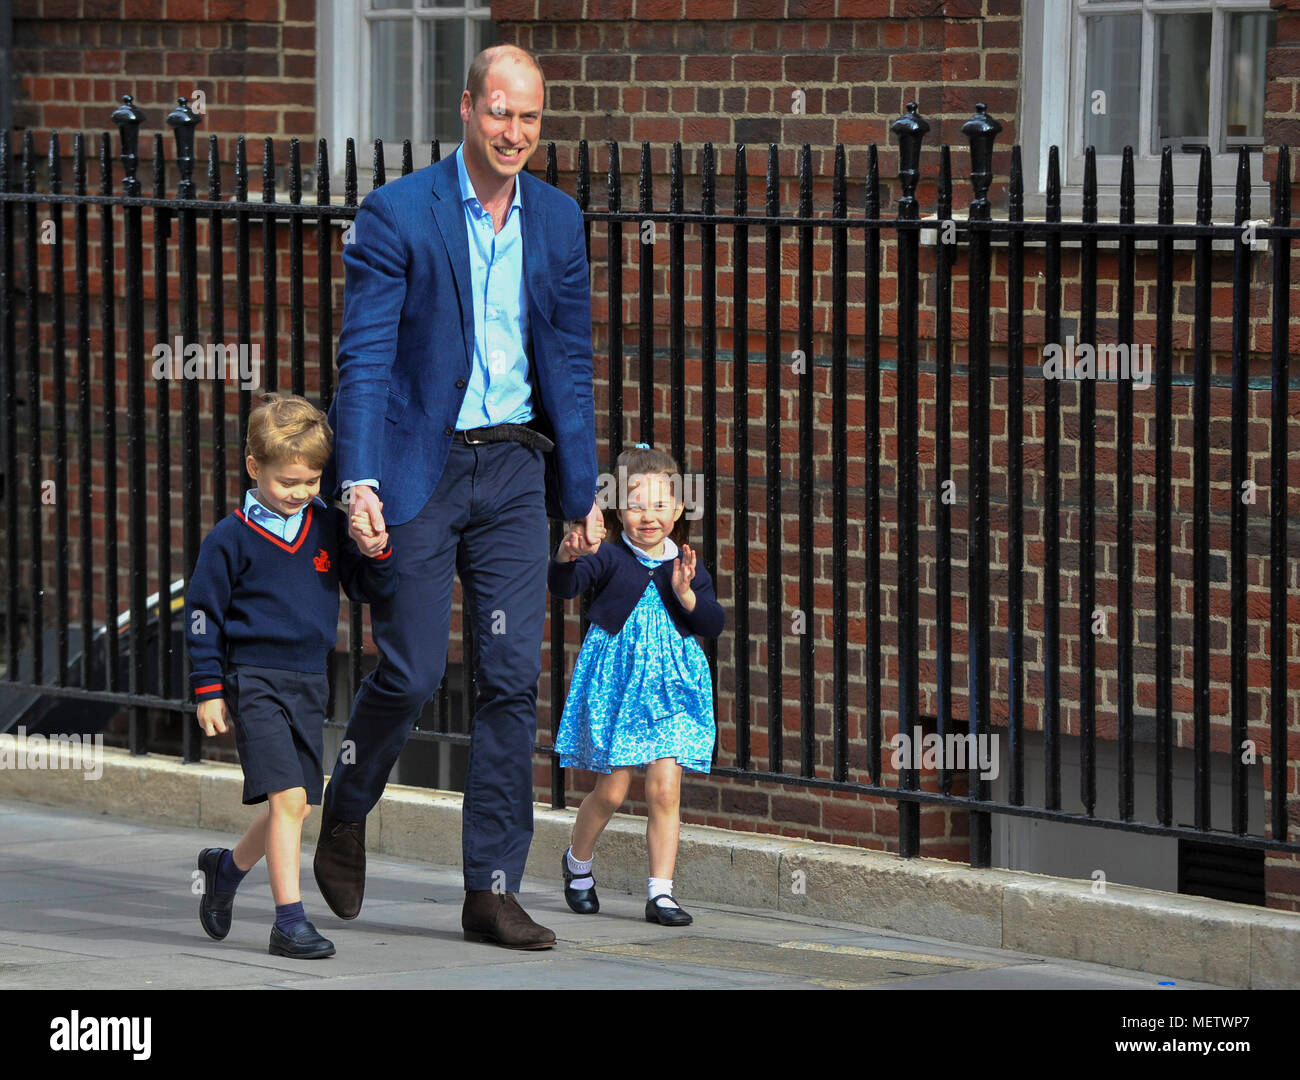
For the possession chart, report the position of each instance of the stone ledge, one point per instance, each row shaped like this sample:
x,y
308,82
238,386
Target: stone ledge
x,y
1168,934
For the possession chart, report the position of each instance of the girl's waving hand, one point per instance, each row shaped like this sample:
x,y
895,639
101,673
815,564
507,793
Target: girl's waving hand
x,y
683,575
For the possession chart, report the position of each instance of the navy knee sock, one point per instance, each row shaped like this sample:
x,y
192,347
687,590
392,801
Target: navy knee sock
x,y
287,916
228,874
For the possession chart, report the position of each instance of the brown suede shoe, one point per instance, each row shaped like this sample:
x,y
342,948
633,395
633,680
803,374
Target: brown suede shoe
x,y
498,918
340,864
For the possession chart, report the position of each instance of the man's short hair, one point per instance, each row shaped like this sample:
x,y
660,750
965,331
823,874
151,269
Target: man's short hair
x,y
478,69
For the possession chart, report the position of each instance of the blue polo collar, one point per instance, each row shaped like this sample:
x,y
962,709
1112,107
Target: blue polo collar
x,y
268,518
467,194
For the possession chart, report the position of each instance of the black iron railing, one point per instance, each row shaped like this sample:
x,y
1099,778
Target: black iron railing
x,y
855,763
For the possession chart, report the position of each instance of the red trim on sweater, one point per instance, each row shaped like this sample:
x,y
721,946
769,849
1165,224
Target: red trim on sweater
x,y
208,689
302,533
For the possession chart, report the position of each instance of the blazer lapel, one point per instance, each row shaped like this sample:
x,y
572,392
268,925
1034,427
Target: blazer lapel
x,y
535,263
449,215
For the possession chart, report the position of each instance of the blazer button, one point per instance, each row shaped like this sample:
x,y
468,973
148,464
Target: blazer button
x,y
460,384
447,431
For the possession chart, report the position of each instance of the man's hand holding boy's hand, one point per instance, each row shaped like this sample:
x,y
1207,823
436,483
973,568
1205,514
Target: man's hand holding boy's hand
x,y
366,520
365,513
214,717
370,543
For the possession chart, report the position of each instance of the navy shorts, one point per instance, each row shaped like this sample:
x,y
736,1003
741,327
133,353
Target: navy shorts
x,y
279,723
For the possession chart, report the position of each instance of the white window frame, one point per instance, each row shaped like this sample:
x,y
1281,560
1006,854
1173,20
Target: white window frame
x,y
1051,31
343,83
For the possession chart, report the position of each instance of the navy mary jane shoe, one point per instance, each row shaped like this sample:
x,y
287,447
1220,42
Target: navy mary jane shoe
x,y
666,916
583,901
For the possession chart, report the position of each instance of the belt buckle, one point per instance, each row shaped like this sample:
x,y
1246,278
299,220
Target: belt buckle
x,y
472,442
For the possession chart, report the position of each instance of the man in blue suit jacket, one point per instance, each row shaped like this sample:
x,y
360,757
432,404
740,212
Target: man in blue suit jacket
x,y
465,355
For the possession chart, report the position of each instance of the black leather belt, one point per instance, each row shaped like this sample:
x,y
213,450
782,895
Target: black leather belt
x,y
505,433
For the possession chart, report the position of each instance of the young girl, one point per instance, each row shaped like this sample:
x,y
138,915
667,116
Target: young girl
x,y
641,692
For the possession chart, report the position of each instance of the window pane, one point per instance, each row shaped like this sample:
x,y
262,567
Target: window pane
x,y
444,78
486,30
1112,82
389,5
1249,38
391,116
1182,80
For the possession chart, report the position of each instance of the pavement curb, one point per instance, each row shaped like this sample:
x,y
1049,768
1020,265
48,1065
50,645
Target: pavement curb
x,y
1163,933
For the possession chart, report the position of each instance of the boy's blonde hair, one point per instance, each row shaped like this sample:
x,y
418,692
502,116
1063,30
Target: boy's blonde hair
x,y
285,428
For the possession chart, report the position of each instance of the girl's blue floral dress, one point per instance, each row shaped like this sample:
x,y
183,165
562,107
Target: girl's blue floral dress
x,y
641,694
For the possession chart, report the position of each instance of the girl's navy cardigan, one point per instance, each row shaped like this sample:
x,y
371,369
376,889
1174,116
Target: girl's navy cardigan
x,y
620,579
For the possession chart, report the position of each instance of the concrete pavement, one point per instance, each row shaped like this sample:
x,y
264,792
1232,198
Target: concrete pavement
x,y
92,901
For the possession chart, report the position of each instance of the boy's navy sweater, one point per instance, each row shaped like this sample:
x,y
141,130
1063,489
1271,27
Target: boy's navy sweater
x,y
620,579
272,603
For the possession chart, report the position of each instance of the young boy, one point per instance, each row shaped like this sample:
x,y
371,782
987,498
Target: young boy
x,y
261,615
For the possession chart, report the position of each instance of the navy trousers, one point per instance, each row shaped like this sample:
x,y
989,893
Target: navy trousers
x,y
487,521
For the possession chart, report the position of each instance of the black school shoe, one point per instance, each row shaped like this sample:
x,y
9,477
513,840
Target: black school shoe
x,y
583,901
666,916
302,943
214,907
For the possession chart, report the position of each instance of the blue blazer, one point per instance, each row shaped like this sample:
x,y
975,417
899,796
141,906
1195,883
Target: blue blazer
x,y
620,580
407,341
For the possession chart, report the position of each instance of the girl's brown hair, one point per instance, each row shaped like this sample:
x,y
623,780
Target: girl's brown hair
x,y
649,462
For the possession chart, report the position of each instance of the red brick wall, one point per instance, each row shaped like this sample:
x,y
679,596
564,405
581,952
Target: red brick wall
x,y
254,60
1281,104
725,72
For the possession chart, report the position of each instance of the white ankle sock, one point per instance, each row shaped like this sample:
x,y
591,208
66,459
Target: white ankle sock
x,y
657,887
581,871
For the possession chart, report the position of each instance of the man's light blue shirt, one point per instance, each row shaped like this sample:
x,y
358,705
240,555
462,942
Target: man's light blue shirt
x,y
498,390
277,525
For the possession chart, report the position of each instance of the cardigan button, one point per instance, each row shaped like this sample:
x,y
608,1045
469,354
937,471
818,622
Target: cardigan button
x,y
447,431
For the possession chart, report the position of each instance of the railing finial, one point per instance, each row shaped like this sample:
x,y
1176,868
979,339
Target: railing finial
x,y
981,129
183,122
910,128
128,120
